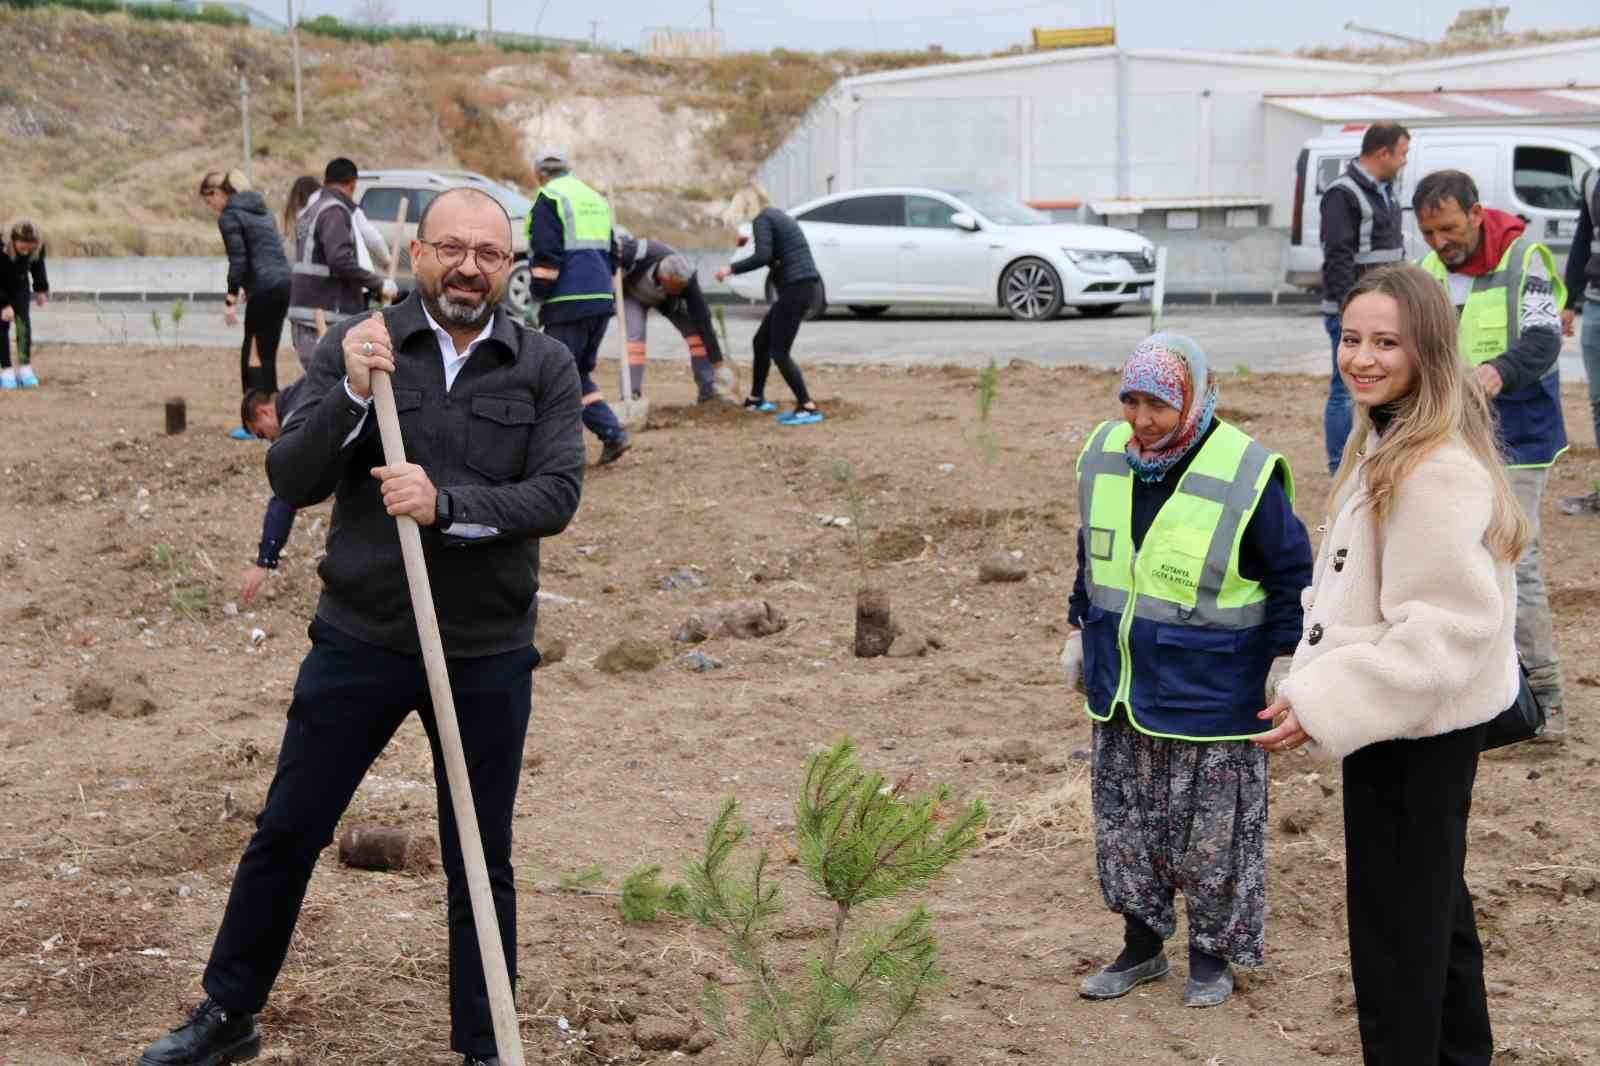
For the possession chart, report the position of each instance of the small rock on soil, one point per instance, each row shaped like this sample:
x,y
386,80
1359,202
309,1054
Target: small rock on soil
x,y
1002,566
744,619
630,654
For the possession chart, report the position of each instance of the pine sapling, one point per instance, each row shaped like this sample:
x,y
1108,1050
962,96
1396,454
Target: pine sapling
x,y
155,324
861,840
984,440
177,318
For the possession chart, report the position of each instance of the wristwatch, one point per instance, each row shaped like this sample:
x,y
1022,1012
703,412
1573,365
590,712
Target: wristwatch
x,y
444,509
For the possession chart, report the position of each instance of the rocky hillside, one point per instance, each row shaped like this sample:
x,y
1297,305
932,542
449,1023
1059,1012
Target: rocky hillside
x,y
107,123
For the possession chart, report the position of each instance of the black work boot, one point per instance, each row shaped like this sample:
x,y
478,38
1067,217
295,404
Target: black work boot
x,y
213,1036
493,1060
613,448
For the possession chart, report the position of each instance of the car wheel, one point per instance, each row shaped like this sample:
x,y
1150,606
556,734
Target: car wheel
x,y
1098,310
868,310
519,289
1030,290
819,305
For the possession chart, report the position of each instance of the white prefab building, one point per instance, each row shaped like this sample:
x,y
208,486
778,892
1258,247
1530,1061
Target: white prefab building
x,y
1125,132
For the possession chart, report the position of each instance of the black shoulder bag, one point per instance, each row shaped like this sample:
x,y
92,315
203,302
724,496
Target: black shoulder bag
x,y
1523,720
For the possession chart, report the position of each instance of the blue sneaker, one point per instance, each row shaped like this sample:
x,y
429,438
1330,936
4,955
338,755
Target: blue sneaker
x,y
240,433
8,380
800,417
27,378
756,404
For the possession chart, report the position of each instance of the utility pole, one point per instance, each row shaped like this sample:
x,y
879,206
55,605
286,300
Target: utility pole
x,y
488,19
244,111
1124,165
294,48
713,4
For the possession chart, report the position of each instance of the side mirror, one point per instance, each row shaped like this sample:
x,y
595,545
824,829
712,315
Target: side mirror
x,y
962,220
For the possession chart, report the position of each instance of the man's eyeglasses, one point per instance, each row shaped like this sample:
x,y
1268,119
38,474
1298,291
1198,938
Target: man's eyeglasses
x,y
452,254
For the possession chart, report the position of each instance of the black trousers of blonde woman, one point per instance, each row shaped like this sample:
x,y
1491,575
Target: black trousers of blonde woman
x,y
1414,949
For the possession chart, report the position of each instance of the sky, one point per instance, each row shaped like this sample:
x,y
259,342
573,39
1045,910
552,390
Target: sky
x,y
974,25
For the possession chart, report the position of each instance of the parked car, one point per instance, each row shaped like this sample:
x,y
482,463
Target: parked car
x,y
1531,171
880,247
379,193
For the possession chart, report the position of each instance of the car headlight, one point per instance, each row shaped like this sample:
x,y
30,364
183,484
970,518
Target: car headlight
x,y
1099,262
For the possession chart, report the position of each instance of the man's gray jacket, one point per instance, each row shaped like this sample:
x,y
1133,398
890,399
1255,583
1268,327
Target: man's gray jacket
x,y
505,440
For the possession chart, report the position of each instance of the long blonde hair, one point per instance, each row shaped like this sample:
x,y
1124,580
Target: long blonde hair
x,y
1445,405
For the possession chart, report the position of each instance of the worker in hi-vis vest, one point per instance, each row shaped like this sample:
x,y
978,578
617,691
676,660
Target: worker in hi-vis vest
x,y
1191,563
1509,294
574,255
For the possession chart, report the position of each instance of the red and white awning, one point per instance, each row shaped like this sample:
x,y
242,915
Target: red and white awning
x,y
1577,105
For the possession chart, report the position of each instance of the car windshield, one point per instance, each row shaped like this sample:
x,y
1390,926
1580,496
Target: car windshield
x,y
1003,212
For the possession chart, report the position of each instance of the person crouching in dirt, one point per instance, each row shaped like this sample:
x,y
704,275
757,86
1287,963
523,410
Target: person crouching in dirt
x,y
780,245
491,411
1190,567
263,414
657,276
21,269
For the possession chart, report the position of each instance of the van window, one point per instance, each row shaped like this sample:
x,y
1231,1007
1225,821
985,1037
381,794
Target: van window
x,y
1329,167
1547,178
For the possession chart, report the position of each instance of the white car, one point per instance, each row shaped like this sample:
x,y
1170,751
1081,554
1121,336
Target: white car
x,y
903,245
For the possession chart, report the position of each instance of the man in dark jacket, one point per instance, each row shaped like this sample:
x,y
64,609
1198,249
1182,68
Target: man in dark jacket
x,y
574,256
330,284
263,415
490,411
657,276
1583,293
780,245
21,269
1361,228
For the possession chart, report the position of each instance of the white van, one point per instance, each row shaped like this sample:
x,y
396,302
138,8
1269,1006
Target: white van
x,y
1531,171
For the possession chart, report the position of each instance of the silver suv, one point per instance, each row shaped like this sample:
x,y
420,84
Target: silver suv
x,y
379,192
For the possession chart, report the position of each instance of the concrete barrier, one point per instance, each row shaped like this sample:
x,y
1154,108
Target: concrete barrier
x,y
1203,266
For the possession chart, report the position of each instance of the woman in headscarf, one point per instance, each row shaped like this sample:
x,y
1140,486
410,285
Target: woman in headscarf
x,y
1190,566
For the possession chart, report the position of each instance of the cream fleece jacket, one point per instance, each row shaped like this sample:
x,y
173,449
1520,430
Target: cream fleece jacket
x,y
1411,632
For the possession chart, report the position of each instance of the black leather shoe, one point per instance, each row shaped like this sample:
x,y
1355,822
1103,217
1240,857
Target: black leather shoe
x,y
213,1036
470,1061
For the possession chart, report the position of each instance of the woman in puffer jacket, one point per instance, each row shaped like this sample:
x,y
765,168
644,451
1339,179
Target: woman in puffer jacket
x,y
258,274
1408,652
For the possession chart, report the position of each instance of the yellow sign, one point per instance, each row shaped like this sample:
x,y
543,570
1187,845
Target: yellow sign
x,y
1085,37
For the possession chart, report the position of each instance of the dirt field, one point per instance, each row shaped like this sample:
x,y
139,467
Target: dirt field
x,y
138,728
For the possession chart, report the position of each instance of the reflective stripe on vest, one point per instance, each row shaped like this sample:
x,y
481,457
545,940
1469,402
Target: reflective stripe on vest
x,y
1491,322
304,265
1185,577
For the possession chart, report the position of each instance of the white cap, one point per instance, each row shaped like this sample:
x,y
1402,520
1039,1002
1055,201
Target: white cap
x,y
552,159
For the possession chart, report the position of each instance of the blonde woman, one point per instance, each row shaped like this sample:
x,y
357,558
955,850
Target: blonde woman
x,y
1408,653
258,275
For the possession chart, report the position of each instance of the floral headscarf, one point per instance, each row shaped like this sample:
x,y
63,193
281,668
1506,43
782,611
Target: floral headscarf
x,y
1172,368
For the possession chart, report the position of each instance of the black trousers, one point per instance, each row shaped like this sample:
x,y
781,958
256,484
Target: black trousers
x,y
24,327
264,313
1414,950
582,337
776,336
349,699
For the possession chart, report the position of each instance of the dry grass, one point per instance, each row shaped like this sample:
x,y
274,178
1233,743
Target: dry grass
x,y
1050,821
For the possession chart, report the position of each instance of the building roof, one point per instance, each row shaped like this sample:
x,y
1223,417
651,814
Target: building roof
x,y
1476,105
